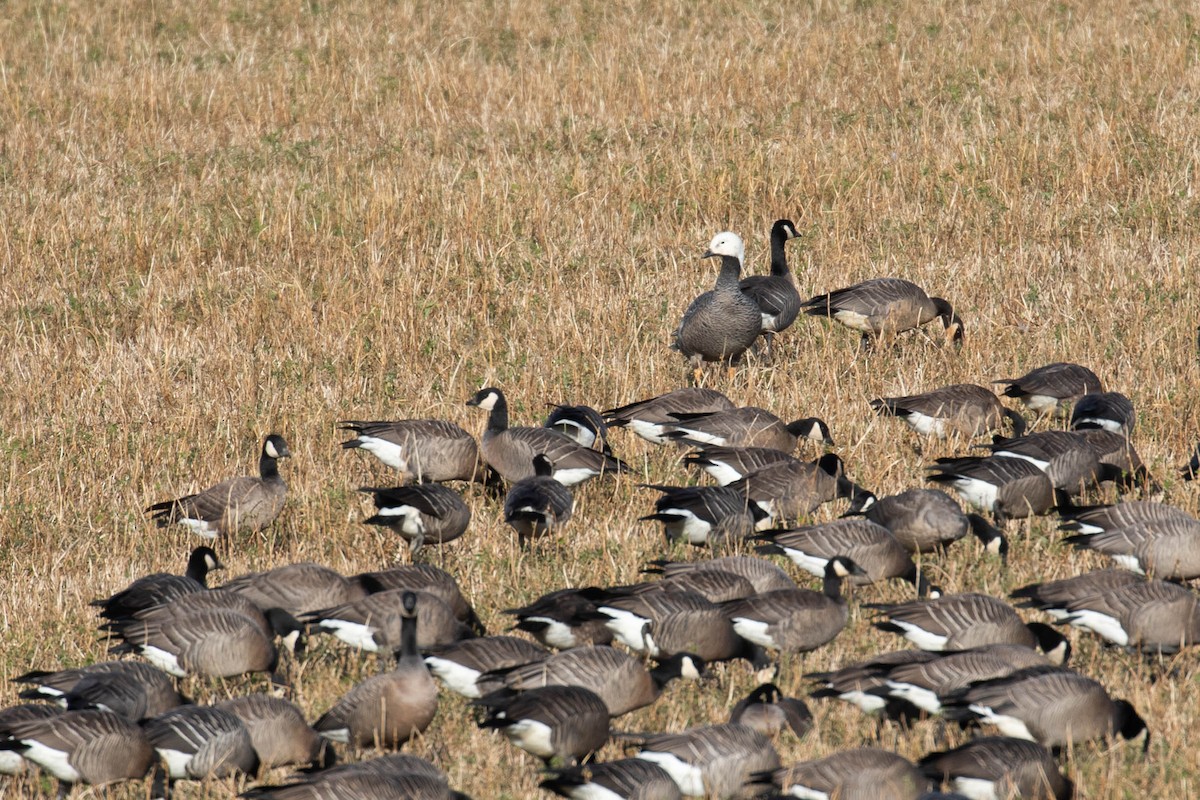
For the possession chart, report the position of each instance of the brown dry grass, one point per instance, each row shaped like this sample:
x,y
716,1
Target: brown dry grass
x,y
225,219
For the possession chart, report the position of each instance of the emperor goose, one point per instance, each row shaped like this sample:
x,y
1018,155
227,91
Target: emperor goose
x,y
763,574
278,731
962,409
510,451
1110,411
538,505
749,426
626,779
710,760
884,307
1049,705
11,760
422,450
388,709
775,294
769,711
133,689
998,767
730,464
704,515
865,773
374,623
925,520
565,722
648,418
583,424
427,513
198,742
160,587
232,506
462,666
92,747
1052,388
1010,488
789,491
723,323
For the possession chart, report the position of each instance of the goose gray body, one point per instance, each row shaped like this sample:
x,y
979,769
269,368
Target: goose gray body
x,y
723,323
770,712
566,722
461,666
421,578
160,587
775,293
923,684
12,762
863,684
729,464
925,520
790,491
1052,388
1110,411
669,624
277,729
1111,518
764,575
999,767
749,426
962,409
132,689
582,424
864,773
421,450
538,505
362,786
885,307
375,622
627,779
422,514
714,584
1010,488
648,418
1169,550
710,760
92,747
299,588
202,742
563,619
704,515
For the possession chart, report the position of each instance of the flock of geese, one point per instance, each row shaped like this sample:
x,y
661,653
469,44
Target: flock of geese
x,y
589,655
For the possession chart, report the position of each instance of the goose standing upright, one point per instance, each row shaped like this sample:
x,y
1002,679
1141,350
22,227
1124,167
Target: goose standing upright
x,y
776,293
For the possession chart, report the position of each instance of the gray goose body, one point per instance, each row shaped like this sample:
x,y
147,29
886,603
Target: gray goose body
x,y
132,689
362,786
789,491
423,514
863,684
668,624
764,575
1169,550
1013,768
299,588
924,684
239,504
775,294
1111,518
723,323
160,587
648,418
538,505
566,722
374,623
714,584
749,426
1110,411
1010,488
582,424
711,760
1052,388
202,742
704,515
422,450
729,464
424,578
884,307
510,451
626,779
278,731
462,665
92,747
864,773
767,710
925,520
1076,460
961,409
563,619
12,762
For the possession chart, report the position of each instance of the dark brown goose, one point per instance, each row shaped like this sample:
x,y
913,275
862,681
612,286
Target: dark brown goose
x,y
131,689
925,520
1053,388
563,619
238,504
704,515
775,294
627,779
769,711
422,450
510,451
565,722
423,514
649,418
884,307
865,773
160,587
1010,488
462,665
539,505
962,409
278,731
710,760
999,766
92,747
790,491
749,426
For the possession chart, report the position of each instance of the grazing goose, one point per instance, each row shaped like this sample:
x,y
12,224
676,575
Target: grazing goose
x,y
627,779
962,621
278,731
863,684
1053,388
539,505
714,584
723,323
1076,460
563,619
763,574
998,767
1152,616
566,722
749,426
962,409
864,773
616,677
92,747
924,684
667,624
884,307
1168,550
374,623
160,587
649,418
583,424
427,513
232,506
387,710
704,515
795,620
729,464
11,760
423,578
510,451
775,294
300,588
1049,705
767,710
1110,411
1111,518
422,450
871,546
461,666
131,689
198,742
926,520
362,785
1010,488
789,491
710,760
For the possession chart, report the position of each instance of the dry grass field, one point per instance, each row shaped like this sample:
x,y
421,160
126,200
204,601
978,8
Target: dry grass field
x,y
232,218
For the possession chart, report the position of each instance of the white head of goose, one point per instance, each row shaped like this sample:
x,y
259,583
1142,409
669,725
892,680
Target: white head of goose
x,y
884,307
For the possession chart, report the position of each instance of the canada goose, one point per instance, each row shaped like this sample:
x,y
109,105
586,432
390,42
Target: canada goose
x,y
538,505
626,779
709,760
563,619
1153,616
714,584
1111,518
1010,488
131,689
924,684
583,424
648,418
795,620
789,491
1052,388
871,546
1076,460
962,409
1110,411
997,767
389,764
566,722
427,513
925,520
189,604
375,623
198,742
422,450
362,785
387,710
426,578
723,323
616,677
461,666
510,451
160,587
861,684
864,773
704,515
1053,706
767,710
666,624
11,761
92,747
1168,550
749,426
775,294
299,588
278,732
1191,470
730,464
764,575
232,506
885,307
962,621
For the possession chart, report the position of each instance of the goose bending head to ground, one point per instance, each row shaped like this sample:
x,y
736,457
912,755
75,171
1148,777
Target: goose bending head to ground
x,y
1053,388
884,307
